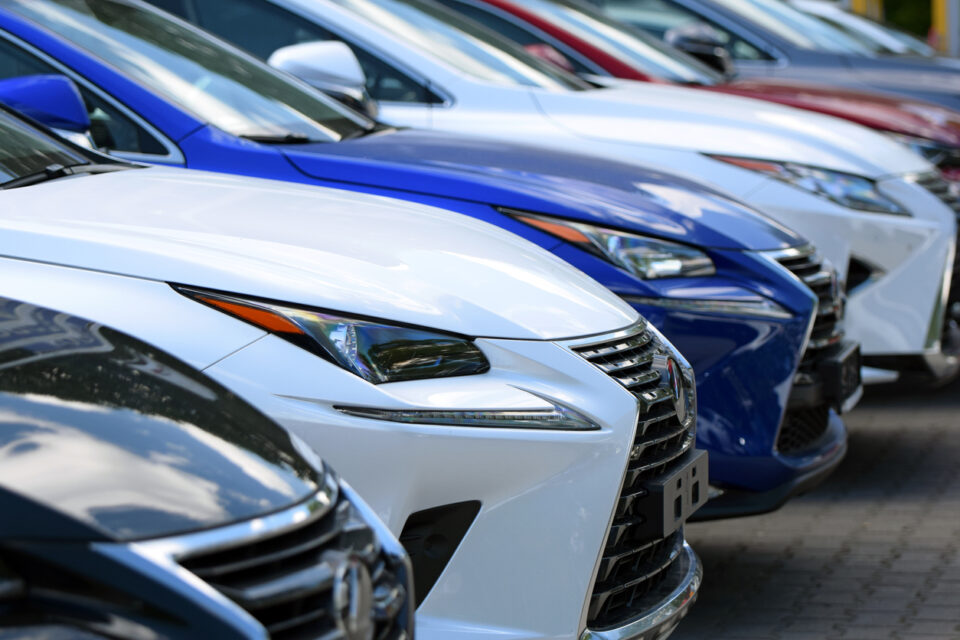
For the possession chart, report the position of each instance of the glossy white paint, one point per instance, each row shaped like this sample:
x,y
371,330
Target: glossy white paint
x,y
327,248
671,128
525,568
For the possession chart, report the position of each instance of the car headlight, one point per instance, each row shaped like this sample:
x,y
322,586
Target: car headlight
x,y
934,152
646,258
846,189
375,351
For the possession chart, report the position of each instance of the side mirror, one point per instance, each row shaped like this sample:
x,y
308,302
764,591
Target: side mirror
x,y
51,100
549,54
331,67
703,43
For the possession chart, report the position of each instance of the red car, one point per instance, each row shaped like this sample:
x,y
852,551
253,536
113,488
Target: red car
x,y
581,39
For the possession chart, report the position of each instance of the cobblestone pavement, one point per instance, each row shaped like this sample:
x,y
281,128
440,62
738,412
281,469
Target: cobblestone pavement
x,y
874,553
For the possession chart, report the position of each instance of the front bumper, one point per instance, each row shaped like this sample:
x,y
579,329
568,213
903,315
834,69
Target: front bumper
x,y
735,502
890,312
525,564
670,605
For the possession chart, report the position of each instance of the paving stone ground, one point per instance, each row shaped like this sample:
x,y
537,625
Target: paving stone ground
x,y
872,554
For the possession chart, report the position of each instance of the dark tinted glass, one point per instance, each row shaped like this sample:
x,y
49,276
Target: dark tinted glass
x,y
25,151
221,86
111,130
261,28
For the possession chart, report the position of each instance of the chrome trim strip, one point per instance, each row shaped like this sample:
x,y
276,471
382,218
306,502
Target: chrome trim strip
x,y
599,338
667,614
852,401
719,307
802,251
797,252
182,546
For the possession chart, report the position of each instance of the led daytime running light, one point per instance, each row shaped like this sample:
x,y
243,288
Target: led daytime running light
x,y
559,417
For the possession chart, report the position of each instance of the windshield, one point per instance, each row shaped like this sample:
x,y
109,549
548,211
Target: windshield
x,y
213,81
461,43
25,151
795,26
615,38
912,43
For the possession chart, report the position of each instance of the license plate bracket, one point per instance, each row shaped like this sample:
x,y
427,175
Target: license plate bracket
x,y
841,376
677,495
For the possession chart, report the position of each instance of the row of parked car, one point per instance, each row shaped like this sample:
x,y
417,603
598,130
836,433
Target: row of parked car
x,y
514,268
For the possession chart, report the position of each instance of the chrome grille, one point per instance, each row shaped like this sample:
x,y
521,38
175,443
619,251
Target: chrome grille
x,y
802,428
633,562
950,196
293,581
806,264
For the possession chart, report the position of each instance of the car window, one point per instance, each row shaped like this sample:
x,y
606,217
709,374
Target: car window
x,y
621,41
24,151
261,28
660,16
110,128
461,43
515,31
218,84
794,26
861,37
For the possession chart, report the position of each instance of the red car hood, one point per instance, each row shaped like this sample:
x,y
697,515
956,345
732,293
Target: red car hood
x,y
874,110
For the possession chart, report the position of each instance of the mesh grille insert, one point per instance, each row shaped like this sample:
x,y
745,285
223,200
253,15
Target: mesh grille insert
x,y
634,563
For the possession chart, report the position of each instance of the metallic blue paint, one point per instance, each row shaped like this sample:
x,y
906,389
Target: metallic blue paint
x,y
745,365
51,99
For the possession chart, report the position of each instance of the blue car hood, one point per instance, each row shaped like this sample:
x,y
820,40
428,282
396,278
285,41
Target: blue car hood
x,y
584,188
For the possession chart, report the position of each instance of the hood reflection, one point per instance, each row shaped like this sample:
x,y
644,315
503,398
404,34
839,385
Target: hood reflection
x,y
119,435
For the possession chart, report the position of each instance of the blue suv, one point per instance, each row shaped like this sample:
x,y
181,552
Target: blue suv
x,y
749,303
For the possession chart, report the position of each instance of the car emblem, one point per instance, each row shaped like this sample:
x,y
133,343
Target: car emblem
x,y
672,377
352,598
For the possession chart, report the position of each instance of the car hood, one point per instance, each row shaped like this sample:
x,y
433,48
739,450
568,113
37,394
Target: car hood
x,y
347,252
877,111
122,441
679,117
590,189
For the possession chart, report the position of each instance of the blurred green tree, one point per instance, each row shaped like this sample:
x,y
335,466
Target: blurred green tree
x,y
913,15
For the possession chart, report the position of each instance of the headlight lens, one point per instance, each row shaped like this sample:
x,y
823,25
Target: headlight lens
x,y
644,257
933,151
374,351
845,189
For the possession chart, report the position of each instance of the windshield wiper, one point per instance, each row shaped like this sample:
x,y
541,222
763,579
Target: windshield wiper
x,y
378,127
286,138
54,171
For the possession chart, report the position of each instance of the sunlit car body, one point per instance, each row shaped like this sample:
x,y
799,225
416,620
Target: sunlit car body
x,y
131,484
471,80
597,47
769,38
741,312
455,374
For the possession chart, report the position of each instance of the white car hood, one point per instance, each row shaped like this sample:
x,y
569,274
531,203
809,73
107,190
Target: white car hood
x,y
707,122
337,250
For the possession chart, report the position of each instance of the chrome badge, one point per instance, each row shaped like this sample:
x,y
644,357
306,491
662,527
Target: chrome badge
x,y
352,598
672,377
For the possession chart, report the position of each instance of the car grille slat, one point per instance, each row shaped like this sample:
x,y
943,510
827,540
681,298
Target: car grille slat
x,y
950,196
287,579
633,563
802,428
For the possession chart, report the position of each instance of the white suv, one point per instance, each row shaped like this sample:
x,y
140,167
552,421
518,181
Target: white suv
x,y
523,431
